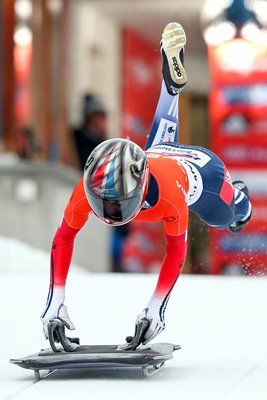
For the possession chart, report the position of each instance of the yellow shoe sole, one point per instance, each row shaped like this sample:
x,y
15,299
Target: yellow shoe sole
x,y
172,42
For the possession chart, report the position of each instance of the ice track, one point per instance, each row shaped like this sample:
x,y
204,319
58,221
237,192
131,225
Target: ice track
x,y
220,322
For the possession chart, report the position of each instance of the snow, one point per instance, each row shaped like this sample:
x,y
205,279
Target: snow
x,y
220,322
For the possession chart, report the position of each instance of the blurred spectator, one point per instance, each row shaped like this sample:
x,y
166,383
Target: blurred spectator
x,y
118,238
90,134
93,129
28,148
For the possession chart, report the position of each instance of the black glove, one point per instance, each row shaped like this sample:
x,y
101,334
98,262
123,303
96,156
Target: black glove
x,y
138,338
147,326
56,334
54,329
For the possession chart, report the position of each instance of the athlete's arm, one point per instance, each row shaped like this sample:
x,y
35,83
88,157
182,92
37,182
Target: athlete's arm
x,y
150,322
60,259
176,248
75,216
176,225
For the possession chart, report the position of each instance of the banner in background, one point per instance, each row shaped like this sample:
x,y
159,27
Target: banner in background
x,y
238,115
141,86
143,247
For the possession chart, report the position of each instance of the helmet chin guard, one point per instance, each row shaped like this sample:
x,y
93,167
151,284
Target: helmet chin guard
x,y
115,180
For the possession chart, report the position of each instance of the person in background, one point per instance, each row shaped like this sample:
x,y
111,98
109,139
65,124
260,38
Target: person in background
x,y
28,147
90,134
93,129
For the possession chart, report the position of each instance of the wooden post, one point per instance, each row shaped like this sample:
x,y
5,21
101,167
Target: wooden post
x,y
7,125
41,76
61,129
184,119
49,81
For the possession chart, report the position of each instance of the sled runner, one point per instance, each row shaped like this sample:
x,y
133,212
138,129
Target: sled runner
x,y
150,358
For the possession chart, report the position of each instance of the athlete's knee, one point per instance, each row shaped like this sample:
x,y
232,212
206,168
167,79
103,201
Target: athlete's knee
x,y
214,211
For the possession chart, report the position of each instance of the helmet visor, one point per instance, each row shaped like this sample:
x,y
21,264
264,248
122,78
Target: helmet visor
x,y
119,211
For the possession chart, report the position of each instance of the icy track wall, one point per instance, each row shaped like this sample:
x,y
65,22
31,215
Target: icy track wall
x,y
33,197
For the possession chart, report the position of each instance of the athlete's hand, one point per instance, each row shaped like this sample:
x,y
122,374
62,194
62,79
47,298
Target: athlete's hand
x,y
147,327
54,329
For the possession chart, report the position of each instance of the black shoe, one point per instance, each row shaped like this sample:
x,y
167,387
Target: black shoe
x,y
172,45
238,226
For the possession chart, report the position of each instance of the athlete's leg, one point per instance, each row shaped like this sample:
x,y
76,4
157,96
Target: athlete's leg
x,y
243,208
222,204
215,212
165,123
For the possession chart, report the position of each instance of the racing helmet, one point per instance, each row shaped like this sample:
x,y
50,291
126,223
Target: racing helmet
x,y
116,180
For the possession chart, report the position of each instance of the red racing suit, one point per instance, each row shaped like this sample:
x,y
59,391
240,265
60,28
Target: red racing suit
x,y
170,208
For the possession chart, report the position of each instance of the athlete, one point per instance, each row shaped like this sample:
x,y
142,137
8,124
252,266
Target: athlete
x,y
122,183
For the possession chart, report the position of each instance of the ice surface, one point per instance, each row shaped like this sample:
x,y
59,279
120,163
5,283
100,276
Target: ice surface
x,y
221,323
